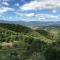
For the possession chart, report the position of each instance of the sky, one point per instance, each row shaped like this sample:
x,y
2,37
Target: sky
x,y
30,10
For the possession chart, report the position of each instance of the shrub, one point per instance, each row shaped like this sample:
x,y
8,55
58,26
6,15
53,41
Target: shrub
x,y
52,53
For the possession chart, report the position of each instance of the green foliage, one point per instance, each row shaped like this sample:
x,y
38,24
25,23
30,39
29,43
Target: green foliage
x,y
53,53
17,28
22,43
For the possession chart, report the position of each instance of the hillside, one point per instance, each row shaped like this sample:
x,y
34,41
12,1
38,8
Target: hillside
x,y
15,27
19,42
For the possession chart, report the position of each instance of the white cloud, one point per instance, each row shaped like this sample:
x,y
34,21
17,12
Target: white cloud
x,y
25,14
29,15
41,4
17,4
54,11
5,0
39,17
5,9
5,3
46,17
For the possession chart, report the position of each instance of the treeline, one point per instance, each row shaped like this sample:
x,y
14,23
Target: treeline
x,y
15,27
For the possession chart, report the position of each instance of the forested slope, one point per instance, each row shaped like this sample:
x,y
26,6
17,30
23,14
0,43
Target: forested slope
x,y
23,43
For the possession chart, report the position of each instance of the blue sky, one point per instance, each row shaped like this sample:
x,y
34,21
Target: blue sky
x,y
30,10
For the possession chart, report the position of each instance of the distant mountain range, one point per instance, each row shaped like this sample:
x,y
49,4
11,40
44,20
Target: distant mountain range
x,y
33,23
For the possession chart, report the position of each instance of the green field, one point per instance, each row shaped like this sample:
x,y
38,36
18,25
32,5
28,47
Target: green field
x,y
23,43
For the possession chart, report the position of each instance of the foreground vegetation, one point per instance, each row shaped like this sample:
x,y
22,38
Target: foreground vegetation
x,y
22,43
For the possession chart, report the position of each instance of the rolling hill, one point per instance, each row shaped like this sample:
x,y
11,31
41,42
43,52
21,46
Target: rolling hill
x,y
24,43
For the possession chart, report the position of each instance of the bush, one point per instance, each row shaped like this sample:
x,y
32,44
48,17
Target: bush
x,y
52,53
